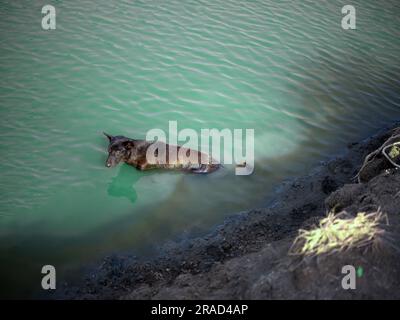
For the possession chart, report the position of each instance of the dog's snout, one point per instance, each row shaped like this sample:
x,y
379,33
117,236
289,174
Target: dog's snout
x,y
110,161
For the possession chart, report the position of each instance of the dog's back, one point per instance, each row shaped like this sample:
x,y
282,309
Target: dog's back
x,y
146,155
177,157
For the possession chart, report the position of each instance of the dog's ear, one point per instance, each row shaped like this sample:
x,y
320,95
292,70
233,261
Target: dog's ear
x,y
108,136
128,145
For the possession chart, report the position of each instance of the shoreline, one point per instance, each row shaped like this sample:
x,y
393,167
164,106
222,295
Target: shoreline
x,y
227,263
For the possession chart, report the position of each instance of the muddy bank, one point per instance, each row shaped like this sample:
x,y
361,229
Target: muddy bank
x,y
247,256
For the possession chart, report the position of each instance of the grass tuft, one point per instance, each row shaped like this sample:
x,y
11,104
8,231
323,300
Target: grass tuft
x,y
337,233
394,152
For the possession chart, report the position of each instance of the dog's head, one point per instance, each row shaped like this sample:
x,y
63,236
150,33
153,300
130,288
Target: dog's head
x,y
118,150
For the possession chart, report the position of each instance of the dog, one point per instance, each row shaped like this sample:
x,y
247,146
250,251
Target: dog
x,y
146,155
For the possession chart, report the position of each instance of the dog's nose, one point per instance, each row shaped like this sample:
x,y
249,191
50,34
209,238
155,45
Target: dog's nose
x,y
108,165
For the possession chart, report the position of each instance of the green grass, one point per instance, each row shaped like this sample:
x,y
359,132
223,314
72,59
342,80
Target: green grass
x,y
336,233
394,152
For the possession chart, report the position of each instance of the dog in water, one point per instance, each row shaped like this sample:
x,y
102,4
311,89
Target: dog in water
x,y
145,155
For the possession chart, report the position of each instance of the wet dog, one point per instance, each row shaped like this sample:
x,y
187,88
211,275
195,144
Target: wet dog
x,y
146,155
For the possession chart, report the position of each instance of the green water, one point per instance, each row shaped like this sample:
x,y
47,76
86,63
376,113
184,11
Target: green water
x,y
284,68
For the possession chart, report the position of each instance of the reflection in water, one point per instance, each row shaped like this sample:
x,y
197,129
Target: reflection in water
x,y
122,185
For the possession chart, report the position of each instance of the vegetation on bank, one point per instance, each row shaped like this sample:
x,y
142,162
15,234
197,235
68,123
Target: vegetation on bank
x,y
340,232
